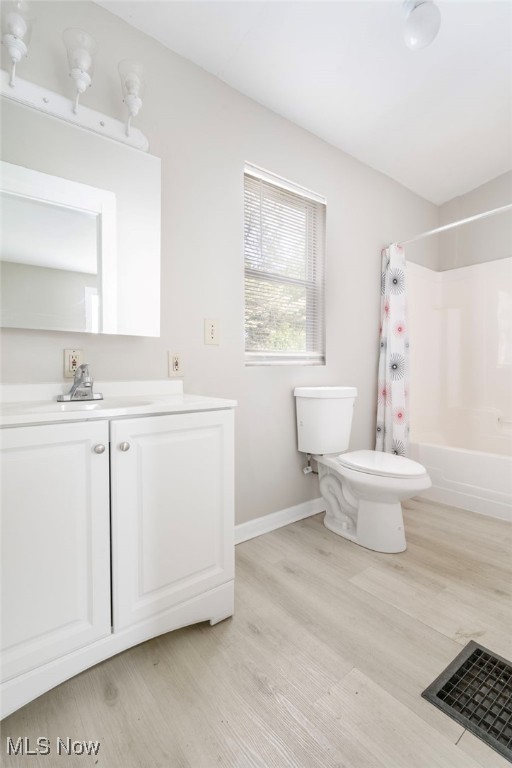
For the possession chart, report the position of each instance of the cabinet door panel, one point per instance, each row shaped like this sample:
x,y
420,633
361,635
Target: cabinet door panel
x,y
55,542
172,510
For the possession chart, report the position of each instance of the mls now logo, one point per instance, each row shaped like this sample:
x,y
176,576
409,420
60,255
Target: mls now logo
x,y
42,746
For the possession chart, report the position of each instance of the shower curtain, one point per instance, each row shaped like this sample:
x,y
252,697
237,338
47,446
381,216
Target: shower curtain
x,y
392,412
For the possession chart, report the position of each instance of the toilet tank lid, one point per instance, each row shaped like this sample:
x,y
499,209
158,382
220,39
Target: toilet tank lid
x,y
327,392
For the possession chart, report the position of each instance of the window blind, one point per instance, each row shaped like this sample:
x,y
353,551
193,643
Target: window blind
x,y
284,234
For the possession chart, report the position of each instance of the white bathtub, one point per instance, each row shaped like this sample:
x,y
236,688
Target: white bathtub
x,y
480,482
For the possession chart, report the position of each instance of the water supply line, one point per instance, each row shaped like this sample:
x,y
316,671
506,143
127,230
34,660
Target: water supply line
x,y
308,469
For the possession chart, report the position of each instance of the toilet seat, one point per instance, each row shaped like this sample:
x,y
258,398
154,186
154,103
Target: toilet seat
x,y
381,464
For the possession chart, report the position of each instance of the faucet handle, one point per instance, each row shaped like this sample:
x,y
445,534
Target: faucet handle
x,y
82,373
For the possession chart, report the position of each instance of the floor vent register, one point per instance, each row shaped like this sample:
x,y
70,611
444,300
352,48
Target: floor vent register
x,y
476,691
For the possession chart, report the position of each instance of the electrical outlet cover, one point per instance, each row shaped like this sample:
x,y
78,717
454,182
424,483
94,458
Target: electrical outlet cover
x,y
175,365
72,359
211,331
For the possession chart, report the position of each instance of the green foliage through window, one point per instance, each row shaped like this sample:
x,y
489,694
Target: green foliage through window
x,y
284,286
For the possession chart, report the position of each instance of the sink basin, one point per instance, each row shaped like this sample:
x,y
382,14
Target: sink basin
x,y
88,405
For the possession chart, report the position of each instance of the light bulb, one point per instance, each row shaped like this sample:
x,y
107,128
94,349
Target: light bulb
x,y
81,47
17,28
16,25
81,59
132,84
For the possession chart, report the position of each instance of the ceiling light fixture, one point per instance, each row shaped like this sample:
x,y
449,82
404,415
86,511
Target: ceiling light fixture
x,y
17,28
132,83
422,23
81,47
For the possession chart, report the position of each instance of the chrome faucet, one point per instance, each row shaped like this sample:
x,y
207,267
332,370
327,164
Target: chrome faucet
x,y
81,389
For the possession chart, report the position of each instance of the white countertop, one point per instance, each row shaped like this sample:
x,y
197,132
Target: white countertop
x,y
23,404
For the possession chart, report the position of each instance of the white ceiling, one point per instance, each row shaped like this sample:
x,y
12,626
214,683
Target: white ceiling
x,y
436,120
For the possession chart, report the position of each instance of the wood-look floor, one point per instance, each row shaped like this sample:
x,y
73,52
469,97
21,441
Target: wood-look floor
x,y
321,666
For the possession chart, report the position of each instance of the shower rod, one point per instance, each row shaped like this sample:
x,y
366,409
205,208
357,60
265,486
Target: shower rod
x,y
457,224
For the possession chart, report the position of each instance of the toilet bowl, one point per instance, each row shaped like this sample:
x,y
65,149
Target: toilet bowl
x,y
362,490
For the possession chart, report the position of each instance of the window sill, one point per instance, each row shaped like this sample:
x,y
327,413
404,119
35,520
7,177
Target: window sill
x,y
265,360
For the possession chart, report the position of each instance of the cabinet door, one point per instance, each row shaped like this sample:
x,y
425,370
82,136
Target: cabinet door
x,y
55,542
172,510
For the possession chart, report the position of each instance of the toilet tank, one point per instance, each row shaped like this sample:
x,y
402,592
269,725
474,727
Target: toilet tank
x,y
324,418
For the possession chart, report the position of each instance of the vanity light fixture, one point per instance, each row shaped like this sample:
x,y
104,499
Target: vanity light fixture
x,y
132,83
16,31
81,47
422,23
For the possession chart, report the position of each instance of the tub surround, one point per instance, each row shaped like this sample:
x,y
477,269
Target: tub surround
x,y
461,379
461,356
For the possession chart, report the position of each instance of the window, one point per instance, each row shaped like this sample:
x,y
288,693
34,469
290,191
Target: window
x,y
284,237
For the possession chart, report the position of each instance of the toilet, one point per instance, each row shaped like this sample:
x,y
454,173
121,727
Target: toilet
x,y
362,490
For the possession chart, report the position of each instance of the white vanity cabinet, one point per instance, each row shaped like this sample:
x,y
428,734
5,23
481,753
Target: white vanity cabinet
x,y
172,511
55,565
117,526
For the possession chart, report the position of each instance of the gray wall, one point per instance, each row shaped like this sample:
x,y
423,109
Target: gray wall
x,y
480,241
204,132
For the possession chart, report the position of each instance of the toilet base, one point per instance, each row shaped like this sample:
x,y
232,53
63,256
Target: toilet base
x,y
367,514
379,526
364,507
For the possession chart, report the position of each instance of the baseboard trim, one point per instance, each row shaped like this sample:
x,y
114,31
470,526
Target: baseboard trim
x,y
267,523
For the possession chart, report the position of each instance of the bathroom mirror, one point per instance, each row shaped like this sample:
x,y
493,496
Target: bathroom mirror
x,y
80,244
57,253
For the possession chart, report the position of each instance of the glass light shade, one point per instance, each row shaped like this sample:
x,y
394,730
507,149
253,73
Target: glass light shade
x,y
81,48
132,78
422,24
17,20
